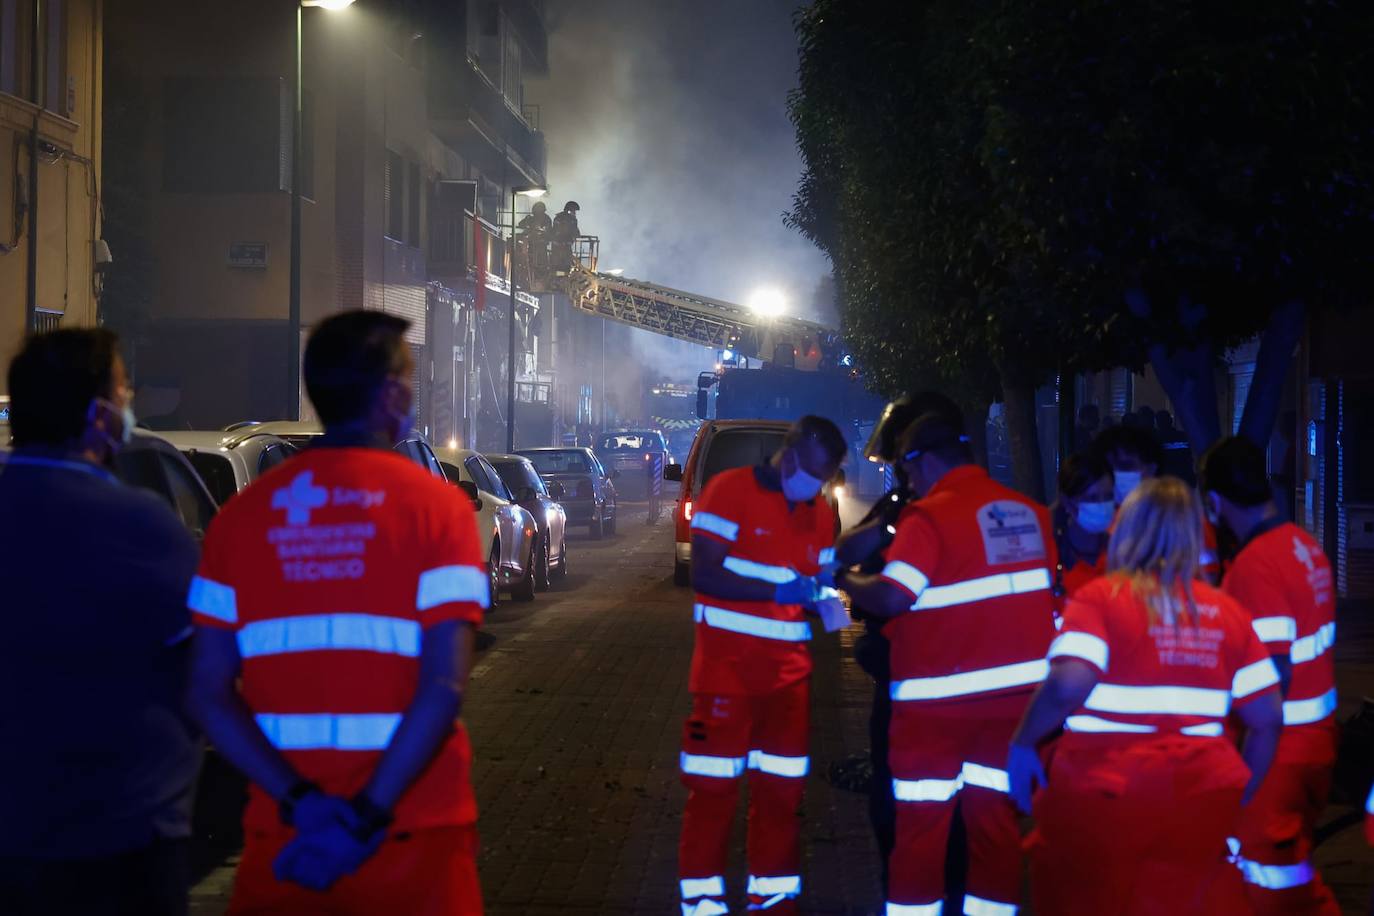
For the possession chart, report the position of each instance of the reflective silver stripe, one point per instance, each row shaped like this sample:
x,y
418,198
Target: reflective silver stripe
x,y
1305,712
751,570
322,731
915,909
783,886
1090,648
213,599
1275,629
1310,648
827,556
941,790
714,524
971,590
752,625
359,632
1093,725
774,765
713,886
926,790
906,575
1369,802
1177,701
977,906
706,907
1275,877
704,765
968,682
447,584
1253,678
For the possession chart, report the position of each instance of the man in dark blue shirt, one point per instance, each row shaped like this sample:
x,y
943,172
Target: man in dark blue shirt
x,y
98,764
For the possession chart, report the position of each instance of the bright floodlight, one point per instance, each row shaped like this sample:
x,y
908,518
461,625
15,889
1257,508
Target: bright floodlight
x,y
534,193
615,271
328,4
768,303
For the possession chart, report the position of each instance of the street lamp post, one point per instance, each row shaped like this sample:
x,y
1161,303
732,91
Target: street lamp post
x,y
293,312
532,192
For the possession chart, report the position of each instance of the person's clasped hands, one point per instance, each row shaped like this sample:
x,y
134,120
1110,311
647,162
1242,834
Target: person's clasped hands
x,y
334,837
803,590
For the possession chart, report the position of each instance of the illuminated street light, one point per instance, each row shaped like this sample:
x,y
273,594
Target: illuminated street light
x,y
615,271
328,4
531,193
768,303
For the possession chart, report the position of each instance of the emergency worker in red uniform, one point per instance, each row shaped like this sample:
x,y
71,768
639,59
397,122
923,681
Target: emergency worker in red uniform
x,y
1145,784
967,586
1284,580
1134,455
760,536
334,612
1082,521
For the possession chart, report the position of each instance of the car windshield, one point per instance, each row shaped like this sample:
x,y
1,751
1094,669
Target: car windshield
x,y
571,461
217,472
517,475
630,442
734,448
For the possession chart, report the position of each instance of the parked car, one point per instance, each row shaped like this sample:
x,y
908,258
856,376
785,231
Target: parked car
x,y
230,461
589,497
541,502
720,445
151,462
4,421
638,454
501,523
300,433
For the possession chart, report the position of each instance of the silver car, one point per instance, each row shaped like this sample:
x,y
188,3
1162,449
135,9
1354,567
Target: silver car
x,y
229,461
501,522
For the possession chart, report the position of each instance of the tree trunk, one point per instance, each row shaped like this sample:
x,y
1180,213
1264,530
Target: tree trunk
x,y
976,427
1275,357
1188,377
1027,464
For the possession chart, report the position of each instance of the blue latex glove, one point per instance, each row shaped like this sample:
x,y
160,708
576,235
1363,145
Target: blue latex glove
x,y
826,577
1025,773
327,849
803,590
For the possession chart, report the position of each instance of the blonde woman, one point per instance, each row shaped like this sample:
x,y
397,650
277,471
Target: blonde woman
x,y
1145,784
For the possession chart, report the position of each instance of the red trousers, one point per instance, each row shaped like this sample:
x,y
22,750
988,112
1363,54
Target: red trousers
x,y
1138,830
942,760
725,737
1276,832
429,872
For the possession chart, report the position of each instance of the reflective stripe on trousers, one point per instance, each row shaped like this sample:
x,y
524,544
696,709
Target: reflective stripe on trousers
x,y
1270,877
775,889
942,790
965,683
732,767
973,906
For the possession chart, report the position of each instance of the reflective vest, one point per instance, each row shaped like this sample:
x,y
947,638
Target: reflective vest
x,y
1284,580
1156,678
328,570
976,559
750,647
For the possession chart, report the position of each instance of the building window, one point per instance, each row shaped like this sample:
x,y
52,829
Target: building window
x,y
395,196
512,73
413,195
16,44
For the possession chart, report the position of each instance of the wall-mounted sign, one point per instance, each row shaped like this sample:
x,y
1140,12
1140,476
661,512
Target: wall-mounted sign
x,y
251,255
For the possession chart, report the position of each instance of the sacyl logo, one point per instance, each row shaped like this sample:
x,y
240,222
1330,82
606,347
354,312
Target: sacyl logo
x,y
300,498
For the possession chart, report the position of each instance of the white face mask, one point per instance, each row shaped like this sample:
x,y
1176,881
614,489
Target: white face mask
x,y
1124,483
1096,517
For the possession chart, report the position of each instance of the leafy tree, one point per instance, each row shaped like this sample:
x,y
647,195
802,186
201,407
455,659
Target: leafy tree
x,y
1009,191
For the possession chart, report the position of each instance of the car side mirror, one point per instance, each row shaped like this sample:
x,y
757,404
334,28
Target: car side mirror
x,y
673,473
470,488
557,490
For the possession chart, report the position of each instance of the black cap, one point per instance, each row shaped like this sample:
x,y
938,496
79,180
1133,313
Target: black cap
x,y
885,442
933,432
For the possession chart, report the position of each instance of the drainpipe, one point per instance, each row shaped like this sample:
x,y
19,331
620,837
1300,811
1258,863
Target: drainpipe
x,y
35,96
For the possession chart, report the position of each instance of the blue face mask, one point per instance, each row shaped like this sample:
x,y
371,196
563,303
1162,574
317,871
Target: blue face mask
x,y
800,487
127,422
1096,518
1124,484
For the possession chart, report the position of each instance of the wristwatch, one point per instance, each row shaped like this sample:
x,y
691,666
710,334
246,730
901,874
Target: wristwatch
x,y
286,808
